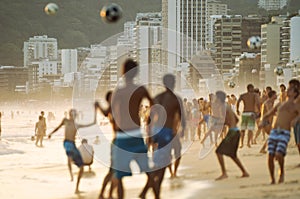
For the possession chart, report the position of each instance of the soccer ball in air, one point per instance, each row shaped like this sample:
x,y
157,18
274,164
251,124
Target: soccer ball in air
x,y
278,70
51,9
111,13
254,42
231,84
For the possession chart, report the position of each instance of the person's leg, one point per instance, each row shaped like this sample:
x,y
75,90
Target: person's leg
x,y
176,165
242,138
208,133
239,164
107,179
41,141
113,185
151,182
222,164
256,135
171,171
250,138
263,148
78,179
70,167
271,167
160,177
37,140
120,188
280,159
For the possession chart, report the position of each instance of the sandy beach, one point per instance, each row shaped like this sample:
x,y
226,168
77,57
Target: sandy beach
x,y
27,171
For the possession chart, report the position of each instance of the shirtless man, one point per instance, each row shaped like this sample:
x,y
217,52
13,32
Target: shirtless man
x,y
205,109
109,176
283,96
296,84
129,143
166,116
230,143
266,107
69,143
39,131
251,103
280,134
44,123
216,122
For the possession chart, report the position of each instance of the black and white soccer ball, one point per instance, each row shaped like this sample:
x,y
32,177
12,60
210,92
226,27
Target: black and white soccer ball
x,y
51,9
231,84
254,42
111,13
278,70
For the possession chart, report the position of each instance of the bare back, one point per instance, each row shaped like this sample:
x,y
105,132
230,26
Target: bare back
x,y
171,104
126,105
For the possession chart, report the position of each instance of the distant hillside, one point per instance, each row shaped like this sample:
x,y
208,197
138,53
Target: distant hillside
x,y
77,22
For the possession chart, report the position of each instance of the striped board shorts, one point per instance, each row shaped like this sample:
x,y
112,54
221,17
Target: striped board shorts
x,y
278,141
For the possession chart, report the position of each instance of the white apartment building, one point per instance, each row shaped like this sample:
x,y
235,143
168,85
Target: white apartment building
x,y
272,4
46,67
69,60
215,10
184,24
148,34
270,50
39,47
295,39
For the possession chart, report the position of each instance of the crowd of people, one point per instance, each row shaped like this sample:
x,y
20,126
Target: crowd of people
x,y
167,120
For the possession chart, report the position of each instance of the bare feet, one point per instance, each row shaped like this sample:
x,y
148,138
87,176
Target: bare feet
x,y
272,182
77,191
248,145
245,175
100,197
241,146
263,151
223,176
281,179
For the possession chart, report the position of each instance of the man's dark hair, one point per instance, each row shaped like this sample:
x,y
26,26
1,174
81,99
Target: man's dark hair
x,y
250,86
282,86
271,93
221,96
268,88
130,68
295,83
169,81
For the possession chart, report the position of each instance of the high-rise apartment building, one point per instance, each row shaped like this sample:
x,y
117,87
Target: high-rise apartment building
x,y
251,26
39,47
184,33
270,50
68,60
272,4
148,34
228,36
215,9
295,39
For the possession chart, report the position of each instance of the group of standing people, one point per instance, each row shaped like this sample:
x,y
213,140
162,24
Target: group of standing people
x,y
165,124
167,121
